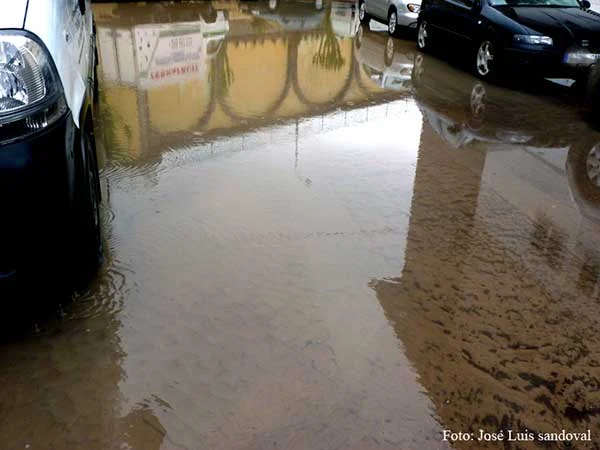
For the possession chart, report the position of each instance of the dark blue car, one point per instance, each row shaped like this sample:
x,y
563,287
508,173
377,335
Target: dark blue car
x,y
549,38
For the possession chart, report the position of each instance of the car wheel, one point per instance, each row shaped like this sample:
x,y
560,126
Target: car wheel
x,y
423,37
388,55
88,240
485,60
393,23
583,171
362,14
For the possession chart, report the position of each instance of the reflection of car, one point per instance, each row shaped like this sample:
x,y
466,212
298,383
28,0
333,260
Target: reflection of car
x,y
552,38
464,110
344,19
475,110
388,63
395,13
290,15
48,169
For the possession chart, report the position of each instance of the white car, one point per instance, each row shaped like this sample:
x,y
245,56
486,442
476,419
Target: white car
x,y
399,15
50,223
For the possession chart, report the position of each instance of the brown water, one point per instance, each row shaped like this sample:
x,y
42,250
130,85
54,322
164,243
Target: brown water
x,y
318,241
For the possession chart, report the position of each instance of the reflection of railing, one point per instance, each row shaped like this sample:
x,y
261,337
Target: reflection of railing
x,y
299,129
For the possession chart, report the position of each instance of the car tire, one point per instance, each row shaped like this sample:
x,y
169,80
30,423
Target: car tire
x,y
423,37
486,62
583,167
88,239
364,18
393,28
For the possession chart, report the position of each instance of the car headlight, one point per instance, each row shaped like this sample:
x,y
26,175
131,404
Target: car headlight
x,y
413,7
533,39
31,95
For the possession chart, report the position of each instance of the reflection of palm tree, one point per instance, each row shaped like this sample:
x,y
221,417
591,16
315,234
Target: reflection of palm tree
x,y
221,76
329,55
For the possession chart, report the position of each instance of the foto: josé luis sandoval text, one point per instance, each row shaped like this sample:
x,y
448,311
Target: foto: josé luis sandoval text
x,y
510,435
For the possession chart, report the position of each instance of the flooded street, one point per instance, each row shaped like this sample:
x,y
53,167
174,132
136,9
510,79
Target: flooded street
x,y
318,238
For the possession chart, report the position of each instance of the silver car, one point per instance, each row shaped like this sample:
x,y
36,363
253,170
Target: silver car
x,y
48,167
399,15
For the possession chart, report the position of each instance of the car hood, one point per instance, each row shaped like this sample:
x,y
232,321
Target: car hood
x,y
567,26
13,14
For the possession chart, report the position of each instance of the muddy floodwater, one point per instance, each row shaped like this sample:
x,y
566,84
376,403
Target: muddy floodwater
x,y
317,238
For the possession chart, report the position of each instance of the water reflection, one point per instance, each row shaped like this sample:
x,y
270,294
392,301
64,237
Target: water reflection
x,y
262,165
169,84
497,301
390,65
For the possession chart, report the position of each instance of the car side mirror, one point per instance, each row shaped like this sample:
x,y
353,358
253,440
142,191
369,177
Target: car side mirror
x,y
586,4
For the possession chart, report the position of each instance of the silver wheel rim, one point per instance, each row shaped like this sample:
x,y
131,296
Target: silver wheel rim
x,y
478,94
592,165
361,11
392,23
389,50
422,36
485,55
418,68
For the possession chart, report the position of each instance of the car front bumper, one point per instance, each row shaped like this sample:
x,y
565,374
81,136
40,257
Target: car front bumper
x,y
408,19
35,185
548,62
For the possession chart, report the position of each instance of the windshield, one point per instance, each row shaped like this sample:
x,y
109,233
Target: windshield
x,y
541,3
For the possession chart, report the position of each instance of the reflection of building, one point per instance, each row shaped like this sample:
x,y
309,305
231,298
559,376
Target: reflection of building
x,y
497,303
260,73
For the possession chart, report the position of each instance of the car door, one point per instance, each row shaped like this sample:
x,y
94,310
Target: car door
x,y
457,18
376,8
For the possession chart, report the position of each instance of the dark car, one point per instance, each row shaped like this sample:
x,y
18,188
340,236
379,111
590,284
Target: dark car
x,y
549,38
50,222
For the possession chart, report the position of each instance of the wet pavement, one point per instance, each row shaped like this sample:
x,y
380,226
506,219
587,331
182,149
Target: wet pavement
x,y
317,238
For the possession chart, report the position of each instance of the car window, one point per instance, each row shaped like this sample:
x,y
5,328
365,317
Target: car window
x,y
542,3
468,3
